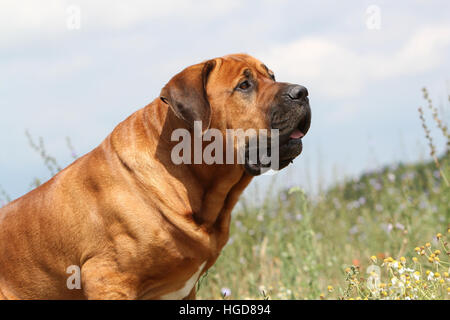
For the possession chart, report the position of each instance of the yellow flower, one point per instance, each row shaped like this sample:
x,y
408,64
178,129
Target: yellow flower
x,y
428,272
437,274
437,252
441,281
430,259
417,249
403,260
330,288
427,244
415,259
446,274
322,296
439,235
374,259
347,270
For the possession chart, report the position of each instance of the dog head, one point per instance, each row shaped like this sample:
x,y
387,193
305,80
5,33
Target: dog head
x,y
240,92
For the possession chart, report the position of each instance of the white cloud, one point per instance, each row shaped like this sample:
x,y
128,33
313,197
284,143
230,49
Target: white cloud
x,y
30,19
339,71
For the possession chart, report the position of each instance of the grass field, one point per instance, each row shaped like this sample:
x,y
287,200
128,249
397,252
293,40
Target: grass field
x,y
295,247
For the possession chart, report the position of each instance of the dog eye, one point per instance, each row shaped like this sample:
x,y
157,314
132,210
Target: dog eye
x,y
244,85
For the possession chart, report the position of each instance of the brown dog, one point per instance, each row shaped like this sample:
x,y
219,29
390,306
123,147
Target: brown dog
x,y
137,225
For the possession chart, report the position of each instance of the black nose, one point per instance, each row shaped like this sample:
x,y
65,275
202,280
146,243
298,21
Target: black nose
x,y
297,92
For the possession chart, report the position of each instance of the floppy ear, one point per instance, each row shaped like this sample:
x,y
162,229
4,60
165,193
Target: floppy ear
x,y
186,94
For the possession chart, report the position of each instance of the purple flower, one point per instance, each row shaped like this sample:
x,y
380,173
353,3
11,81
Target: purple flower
x,y
437,174
399,226
226,292
353,229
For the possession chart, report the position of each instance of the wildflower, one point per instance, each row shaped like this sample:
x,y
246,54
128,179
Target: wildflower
x,y
397,282
437,252
330,288
403,260
347,270
362,200
437,275
416,275
322,296
374,259
439,236
430,276
399,226
389,227
446,274
427,244
226,292
353,229
391,177
395,264
415,259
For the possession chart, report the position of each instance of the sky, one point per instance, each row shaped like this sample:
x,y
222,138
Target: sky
x,y
77,68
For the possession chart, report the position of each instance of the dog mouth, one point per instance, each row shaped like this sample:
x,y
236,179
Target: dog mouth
x,y
298,132
291,144
289,147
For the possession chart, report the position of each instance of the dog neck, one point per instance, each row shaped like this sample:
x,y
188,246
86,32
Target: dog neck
x,y
206,193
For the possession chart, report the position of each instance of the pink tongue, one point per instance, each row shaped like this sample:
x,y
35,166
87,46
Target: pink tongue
x,y
296,134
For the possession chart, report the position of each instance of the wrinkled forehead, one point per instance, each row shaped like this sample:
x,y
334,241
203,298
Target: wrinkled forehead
x,y
236,66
